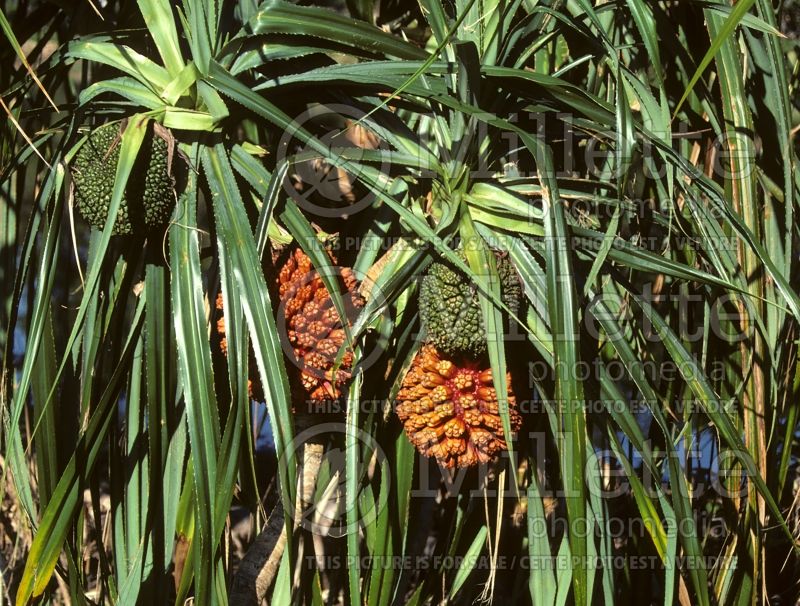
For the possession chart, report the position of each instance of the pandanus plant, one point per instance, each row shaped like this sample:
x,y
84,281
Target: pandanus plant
x,y
627,168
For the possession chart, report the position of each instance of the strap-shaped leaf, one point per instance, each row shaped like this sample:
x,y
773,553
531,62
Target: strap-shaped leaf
x,y
160,22
124,86
482,263
188,119
237,237
696,380
196,379
123,58
563,307
131,141
180,84
279,17
731,23
5,26
57,518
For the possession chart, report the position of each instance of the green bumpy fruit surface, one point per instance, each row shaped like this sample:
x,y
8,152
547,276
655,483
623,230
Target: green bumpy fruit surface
x,y
450,309
148,200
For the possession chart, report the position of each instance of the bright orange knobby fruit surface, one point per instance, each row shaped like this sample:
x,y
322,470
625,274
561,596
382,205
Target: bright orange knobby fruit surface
x,y
315,331
450,411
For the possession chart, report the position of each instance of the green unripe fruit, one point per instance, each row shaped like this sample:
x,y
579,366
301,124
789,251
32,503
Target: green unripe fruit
x,y
450,309
149,197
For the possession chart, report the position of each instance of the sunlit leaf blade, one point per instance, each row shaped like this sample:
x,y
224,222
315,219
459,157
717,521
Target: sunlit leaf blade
x,y
124,59
237,236
277,16
57,517
159,20
731,23
12,40
196,379
562,300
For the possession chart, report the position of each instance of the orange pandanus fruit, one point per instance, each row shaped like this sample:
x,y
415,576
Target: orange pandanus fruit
x,y
450,411
312,331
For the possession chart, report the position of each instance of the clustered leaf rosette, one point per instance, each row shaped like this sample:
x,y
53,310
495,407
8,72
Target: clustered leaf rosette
x,y
450,411
315,331
149,197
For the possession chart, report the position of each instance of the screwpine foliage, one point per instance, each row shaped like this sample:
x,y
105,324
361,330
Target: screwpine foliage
x,y
625,174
